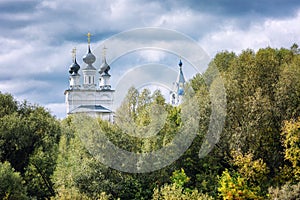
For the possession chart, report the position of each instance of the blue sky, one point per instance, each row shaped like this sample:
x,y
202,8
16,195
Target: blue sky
x,y
36,37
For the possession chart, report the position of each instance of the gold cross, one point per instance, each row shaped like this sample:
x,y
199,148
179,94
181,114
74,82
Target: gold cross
x,y
104,51
89,37
74,53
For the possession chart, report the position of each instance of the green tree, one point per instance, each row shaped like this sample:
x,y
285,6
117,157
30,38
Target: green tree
x,y
7,104
223,60
287,94
262,90
29,137
295,48
42,160
91,177
158,97
176,190
256,99
12,185
70,152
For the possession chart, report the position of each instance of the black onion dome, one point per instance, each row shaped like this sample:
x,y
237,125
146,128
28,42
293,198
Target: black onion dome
x,y
74,68
70,70
180,63
89,58
104,67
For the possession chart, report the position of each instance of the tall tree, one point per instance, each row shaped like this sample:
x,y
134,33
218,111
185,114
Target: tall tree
x,y
29,137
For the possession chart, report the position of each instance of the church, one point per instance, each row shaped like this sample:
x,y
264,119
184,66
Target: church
x,y
96,98
178,88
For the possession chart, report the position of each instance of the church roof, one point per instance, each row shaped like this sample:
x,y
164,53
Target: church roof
x,y
89,59
104,66
74,68
180,78
90,108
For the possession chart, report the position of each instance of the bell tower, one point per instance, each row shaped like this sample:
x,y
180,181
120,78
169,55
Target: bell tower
x,y
89,72
178,89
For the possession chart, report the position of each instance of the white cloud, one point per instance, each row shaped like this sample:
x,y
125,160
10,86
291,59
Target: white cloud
x,y
57,109
187,21
283,32
275,33
47,4
152,55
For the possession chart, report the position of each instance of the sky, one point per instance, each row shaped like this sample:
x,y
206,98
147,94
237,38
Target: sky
x,y
37,37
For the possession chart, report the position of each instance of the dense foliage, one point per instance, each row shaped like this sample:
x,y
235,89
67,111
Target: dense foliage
x,y
257,156
29,138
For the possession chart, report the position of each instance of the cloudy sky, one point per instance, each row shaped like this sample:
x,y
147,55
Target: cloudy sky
x,y
37,36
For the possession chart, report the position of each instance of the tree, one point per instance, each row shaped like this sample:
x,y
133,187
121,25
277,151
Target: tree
x,y
257,95
223,60
286,192
28,138
69,153
176,190
233,187
295,48
91,177
291,141
262,90
46,131
7,104
287,94
12,185
253,171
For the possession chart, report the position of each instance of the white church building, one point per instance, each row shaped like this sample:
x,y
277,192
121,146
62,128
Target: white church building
x,y
96,97
92,97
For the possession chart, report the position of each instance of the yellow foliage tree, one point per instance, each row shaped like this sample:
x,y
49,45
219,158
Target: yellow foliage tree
x,y
291,141
234,187
254,171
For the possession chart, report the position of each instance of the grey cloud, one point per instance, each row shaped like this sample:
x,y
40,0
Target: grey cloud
x,y
240,13
17,6
235,8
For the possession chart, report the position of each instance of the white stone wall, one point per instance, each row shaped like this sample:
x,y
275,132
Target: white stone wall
x,y
75,98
